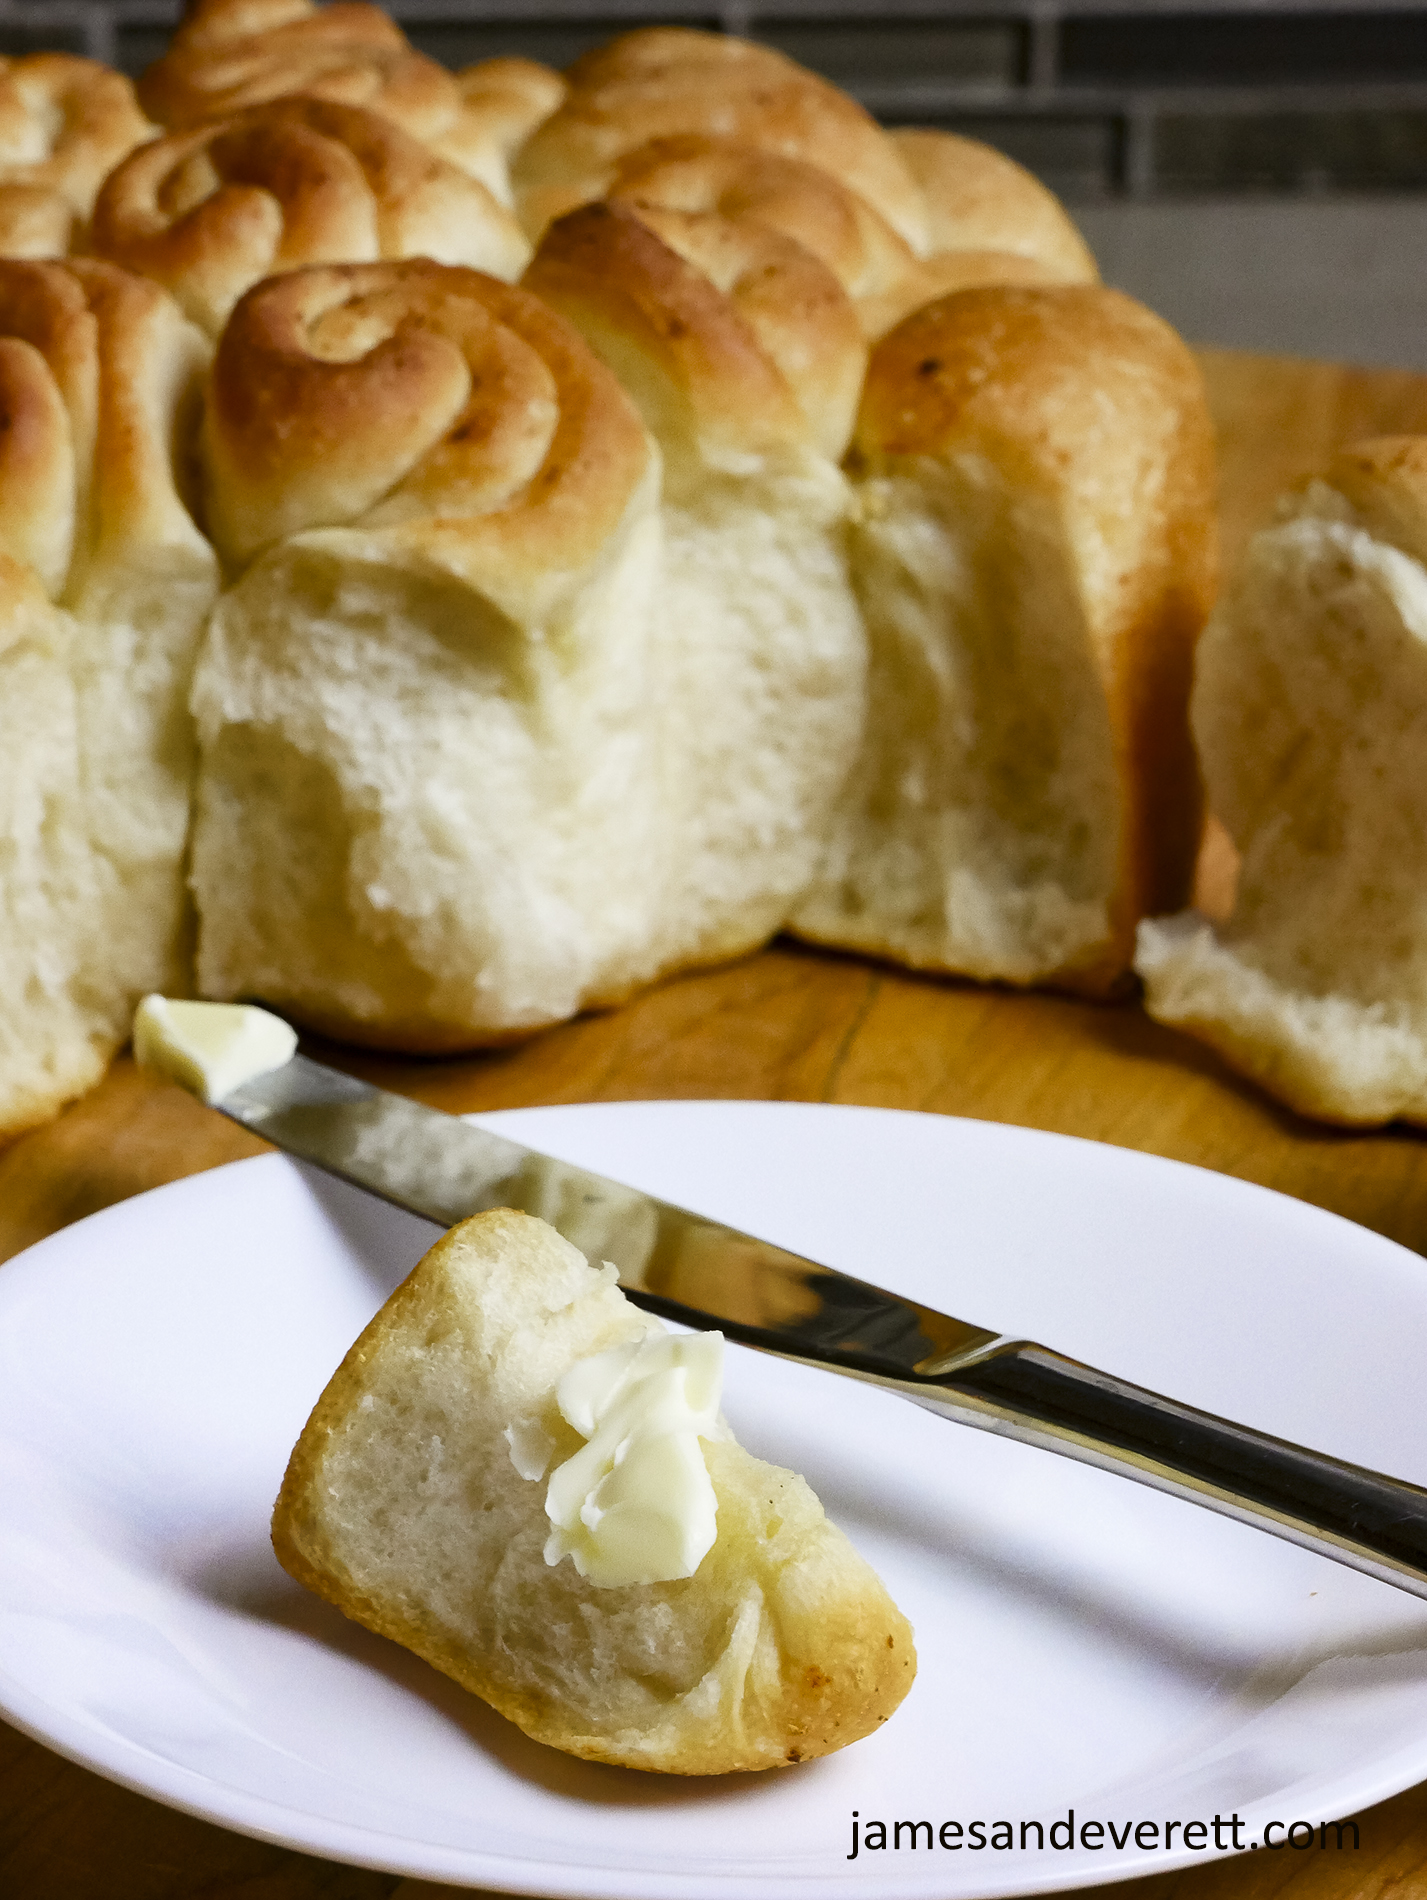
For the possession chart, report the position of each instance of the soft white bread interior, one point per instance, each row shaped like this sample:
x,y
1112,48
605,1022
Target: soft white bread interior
x,y
55,1037
744,355
429,812
1310,711
64,124
402,1506
100,376
209,211
1034,554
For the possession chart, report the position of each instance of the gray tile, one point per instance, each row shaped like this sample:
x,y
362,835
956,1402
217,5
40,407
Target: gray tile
x,y
21,37
456,42
1153,47
1339,278
136,47
1348,150
860,54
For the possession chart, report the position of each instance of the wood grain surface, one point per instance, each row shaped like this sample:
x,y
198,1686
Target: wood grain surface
x,y
796,1025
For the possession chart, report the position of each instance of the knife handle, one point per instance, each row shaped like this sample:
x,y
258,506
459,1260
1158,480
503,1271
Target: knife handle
x,y
1358,1517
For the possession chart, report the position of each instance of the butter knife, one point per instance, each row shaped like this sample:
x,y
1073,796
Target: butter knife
x,y
690,1268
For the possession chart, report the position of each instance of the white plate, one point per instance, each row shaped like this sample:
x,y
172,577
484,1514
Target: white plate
x,y
1085,1644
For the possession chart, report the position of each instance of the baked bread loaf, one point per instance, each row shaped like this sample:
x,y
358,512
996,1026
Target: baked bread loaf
x,y
100,377
64,124
402,1506
1034,554
1310,712
229,54
428,814
661,82
744,355
210,211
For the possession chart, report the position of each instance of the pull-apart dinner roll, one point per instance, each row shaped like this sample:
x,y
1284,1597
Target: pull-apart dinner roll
x,y
745,184
229,54
99,372
210,211
64,124
1034,555
403,1506
745,357
988,221
661,82
1310,711
427,816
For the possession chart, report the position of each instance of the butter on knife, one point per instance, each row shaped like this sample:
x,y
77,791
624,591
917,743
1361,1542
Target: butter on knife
x,y
210,1049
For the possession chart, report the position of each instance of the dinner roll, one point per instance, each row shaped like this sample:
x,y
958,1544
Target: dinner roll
x,y
403,1507
428,816
210,211
744,183
502,102
99,372
659,82
1310,711
744,355
988,221
1034,555
229,54
64,124
976,199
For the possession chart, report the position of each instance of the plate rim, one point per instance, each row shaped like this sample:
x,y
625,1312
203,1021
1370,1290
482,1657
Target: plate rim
x,y
262,1818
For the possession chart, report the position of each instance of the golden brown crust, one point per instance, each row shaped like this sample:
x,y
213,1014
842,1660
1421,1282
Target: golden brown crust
x,y
209,211
234,53
229,54
746,183
502,102
945,274
465,407
741,339
1082,395
977,199
94,361
82,116
665,81
48,403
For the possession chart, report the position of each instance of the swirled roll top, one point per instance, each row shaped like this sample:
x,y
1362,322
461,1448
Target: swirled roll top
x,y
733,339
210,211
987,220
435,404
64,124
98,371
665,81
229,54
743,184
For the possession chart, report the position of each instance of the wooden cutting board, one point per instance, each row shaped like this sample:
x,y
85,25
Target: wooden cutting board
x,y
793,1025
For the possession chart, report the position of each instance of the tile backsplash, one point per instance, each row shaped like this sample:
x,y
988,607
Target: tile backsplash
x,y
1102,98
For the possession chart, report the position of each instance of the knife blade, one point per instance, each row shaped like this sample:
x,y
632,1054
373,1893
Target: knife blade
x,y
694,1269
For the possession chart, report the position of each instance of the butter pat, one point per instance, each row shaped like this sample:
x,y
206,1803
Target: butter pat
x,y
635,1504
210,1049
